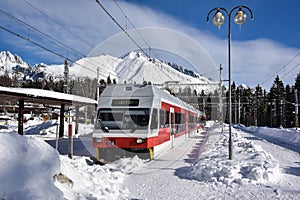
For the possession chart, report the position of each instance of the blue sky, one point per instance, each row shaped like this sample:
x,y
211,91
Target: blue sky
x,y
274,19
260,48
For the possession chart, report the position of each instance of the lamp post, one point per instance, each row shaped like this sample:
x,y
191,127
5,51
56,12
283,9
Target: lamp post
x,y
218,19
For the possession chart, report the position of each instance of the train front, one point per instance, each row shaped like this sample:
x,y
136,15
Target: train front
x,y
123,123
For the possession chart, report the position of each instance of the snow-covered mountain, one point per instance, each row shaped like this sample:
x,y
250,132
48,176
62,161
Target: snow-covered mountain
x,y
9,60
132,68
12,63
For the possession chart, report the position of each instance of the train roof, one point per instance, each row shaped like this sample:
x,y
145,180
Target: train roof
x,y
151,91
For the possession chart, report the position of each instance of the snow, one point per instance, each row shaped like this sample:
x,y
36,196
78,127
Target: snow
x,y
197,169
252,164
27,167
290,137
8,61
47,94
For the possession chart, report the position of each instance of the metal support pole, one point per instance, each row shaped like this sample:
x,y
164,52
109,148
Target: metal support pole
x,y
21,117
239,109
255,110
70,141
76,119
66,77
235,109
229,79
56,139
271,111
98,85
221,100
218,20
296,109
62,121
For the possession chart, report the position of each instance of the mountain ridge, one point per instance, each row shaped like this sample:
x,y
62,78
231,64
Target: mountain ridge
x,y
132,68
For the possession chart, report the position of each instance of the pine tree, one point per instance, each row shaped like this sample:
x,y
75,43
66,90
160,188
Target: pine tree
x,y
259,106
208,107
297,82
234,103
277,94
289,107
16,82
297,92
246,100
5,80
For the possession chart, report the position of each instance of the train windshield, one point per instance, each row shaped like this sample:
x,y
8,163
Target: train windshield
x,y
133,119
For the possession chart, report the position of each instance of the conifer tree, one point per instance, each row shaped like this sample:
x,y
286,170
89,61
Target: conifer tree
x,y
259,106
5,80
289,109
277,94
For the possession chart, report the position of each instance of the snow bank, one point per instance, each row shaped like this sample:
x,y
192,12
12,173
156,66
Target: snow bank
x,y
97,182
91,181
28,165
250,163
27,168
288,136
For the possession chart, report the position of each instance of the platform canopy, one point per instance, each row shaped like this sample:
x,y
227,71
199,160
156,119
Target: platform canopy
x,y
40,96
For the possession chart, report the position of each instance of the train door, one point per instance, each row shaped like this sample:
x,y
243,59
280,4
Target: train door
x,y
172,124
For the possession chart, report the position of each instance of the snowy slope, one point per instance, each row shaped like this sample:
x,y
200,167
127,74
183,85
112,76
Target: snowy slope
x,y
8,60
136,68
285,137
133,68
11,62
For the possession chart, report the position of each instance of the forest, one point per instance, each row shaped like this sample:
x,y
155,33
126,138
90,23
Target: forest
x,y
277,107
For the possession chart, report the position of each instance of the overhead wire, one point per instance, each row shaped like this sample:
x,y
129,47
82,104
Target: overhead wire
x,y
135,29
28,40
290,70
282,68
144,40
118,24
57,42
43,47
133,26
40,32
40,11
43,13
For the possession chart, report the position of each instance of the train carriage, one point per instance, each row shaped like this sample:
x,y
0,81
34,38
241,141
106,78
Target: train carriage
x,y
140,120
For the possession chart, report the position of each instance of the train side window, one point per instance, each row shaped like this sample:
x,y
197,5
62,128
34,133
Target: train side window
x,y
179,122
161,118
167,115
154,119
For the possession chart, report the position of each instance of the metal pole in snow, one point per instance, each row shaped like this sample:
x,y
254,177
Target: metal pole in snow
x,y
70,141
296,110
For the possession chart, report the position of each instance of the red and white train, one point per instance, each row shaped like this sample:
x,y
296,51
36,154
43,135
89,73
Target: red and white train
x,y
141,120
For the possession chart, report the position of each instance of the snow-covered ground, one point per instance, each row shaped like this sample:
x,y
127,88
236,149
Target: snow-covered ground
x,y
197,169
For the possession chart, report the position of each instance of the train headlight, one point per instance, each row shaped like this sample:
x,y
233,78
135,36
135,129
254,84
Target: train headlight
x,y
98,140
140,140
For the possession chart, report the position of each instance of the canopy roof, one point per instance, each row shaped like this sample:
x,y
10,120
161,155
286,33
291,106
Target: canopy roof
x,y
42,96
